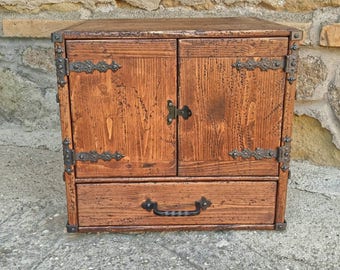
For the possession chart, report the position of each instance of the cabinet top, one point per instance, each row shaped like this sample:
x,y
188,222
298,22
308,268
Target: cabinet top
x,y
176,28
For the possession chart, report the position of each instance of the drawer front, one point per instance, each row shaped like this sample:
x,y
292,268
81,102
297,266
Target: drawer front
x,y
232,202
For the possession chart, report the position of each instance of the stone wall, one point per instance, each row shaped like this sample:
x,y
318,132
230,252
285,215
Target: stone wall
x,y
27,73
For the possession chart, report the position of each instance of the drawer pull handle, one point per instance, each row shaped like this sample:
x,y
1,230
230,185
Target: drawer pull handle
x,y
202,204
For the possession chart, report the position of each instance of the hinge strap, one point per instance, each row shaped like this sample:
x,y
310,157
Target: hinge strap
x,y
61,66
281,154
70,156
284,153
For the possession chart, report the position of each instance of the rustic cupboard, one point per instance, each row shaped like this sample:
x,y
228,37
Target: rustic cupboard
x,y
176,123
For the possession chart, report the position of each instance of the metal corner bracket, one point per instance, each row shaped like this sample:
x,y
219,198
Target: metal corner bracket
x,y
296,35
57,37
281,226
71,228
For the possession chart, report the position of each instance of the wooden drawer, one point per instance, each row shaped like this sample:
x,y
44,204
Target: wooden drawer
x,y
232,202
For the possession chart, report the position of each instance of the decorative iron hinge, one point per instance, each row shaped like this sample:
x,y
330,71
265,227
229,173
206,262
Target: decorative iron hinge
x,y
89,67
289,64
93,156
281,154
284,153
70,156
61,66
292,63
263,64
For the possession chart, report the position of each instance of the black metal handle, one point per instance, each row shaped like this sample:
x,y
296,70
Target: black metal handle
x,y
202,204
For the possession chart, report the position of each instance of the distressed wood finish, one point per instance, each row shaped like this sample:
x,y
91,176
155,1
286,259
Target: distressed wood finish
x,y
232,203
231,109
125,110
287,125
202,63
66,132
177,28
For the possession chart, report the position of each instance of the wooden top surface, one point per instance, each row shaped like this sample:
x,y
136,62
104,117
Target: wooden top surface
x,y
176,28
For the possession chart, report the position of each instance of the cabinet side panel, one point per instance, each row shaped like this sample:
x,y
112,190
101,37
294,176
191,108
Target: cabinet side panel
x,y
231,110
288,111
66,133
125,110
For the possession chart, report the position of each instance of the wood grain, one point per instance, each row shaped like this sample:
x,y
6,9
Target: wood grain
x,y
231,109
232,203
176,28
287,126
159,228
175,179
66,132
126,110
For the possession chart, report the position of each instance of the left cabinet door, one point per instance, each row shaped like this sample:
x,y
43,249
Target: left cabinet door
x,y
119,91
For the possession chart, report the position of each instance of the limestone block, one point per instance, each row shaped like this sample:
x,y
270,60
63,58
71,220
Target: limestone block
x,y
33,28
148,4
304,27
334,94
22,6
312,72
39,58
330,35
285,5
313,142
197,4
24,102
301,5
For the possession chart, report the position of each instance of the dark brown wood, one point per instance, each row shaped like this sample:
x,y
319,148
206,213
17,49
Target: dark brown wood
x,y
231,109
159,228
125,110
190,62
287,124
232,203
176,28
66,132
175,179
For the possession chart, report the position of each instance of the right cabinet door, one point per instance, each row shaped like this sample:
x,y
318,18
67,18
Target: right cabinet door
x,y
235,90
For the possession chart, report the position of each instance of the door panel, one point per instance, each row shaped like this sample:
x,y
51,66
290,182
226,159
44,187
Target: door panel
x,y
124,110
231,109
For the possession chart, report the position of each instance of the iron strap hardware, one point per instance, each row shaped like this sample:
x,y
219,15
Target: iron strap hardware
x,y
202,204
185,112
282,154
70,157
263,64
89,67
63,66
288,64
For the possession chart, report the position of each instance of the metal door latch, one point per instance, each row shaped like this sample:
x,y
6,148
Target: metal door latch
x,y
185,112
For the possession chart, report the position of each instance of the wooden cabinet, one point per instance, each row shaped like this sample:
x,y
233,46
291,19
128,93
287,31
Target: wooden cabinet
x,y
176,123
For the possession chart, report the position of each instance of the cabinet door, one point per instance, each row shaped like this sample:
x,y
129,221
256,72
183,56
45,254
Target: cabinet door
x,y
122,108
232,109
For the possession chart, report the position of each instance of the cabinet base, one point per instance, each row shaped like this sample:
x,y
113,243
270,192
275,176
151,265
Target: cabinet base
x,y
178,228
